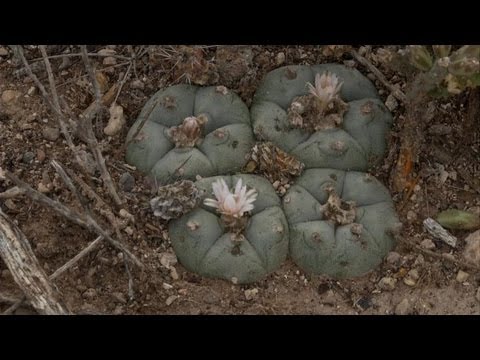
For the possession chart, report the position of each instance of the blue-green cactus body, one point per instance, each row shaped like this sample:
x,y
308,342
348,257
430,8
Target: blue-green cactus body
x,y
227,134
203,245
319,246
362,135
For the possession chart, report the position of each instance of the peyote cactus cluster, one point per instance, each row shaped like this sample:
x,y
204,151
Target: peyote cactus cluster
x,y
311,129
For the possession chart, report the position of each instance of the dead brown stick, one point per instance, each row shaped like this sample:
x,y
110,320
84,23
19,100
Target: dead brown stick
x,y
17,254
85,221
104,209
89,248
7,299
11,193
92,140
56,111
16,303
45,200
120,57
399,94
433,254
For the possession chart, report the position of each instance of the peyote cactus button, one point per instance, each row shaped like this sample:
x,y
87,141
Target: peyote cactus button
x,y
341,223
191,131
327,116
239,233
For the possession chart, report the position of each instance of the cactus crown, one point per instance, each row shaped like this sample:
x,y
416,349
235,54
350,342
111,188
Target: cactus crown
x,y
322,108
189,133
232,206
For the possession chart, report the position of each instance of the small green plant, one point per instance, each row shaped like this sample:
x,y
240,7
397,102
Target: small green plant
x,y
445,72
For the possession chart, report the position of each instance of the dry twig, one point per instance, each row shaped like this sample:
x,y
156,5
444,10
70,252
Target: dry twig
x,y
378,74
18,255
85,221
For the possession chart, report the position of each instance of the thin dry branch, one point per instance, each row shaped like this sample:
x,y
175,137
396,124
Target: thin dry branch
x,y
85,221
399,94
11,193
433,254
20,259
70,263
102,206
92,140
55,110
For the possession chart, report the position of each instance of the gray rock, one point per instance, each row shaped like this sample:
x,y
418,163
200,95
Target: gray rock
x,y
28,157
126,182
393,258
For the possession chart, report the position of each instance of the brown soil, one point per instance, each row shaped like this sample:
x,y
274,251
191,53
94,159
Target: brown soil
x,y
99,282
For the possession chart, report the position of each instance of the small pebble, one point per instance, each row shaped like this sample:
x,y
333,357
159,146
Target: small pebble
x,y
119,310
403,307
472,248
9,96
43,188
137,84
3,51
50,133
419,261
126,182
393,258
167,286
280,59
411,278
411,215
427,244
387,283
128,230
89,293
171,299
391,103
31,91
183,292
28,157
41,155
250,294
462,276
109,61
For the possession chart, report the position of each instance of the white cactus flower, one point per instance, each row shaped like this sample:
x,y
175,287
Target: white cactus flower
x,y
327,86
232,204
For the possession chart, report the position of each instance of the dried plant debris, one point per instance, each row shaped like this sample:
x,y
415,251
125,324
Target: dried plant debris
x,y
189,133
174,200
273,163
322,108
187,64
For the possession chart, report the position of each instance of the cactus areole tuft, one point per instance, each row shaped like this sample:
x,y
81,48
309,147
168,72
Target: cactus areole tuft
x,y
341,223
239,233
327,116
191,131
